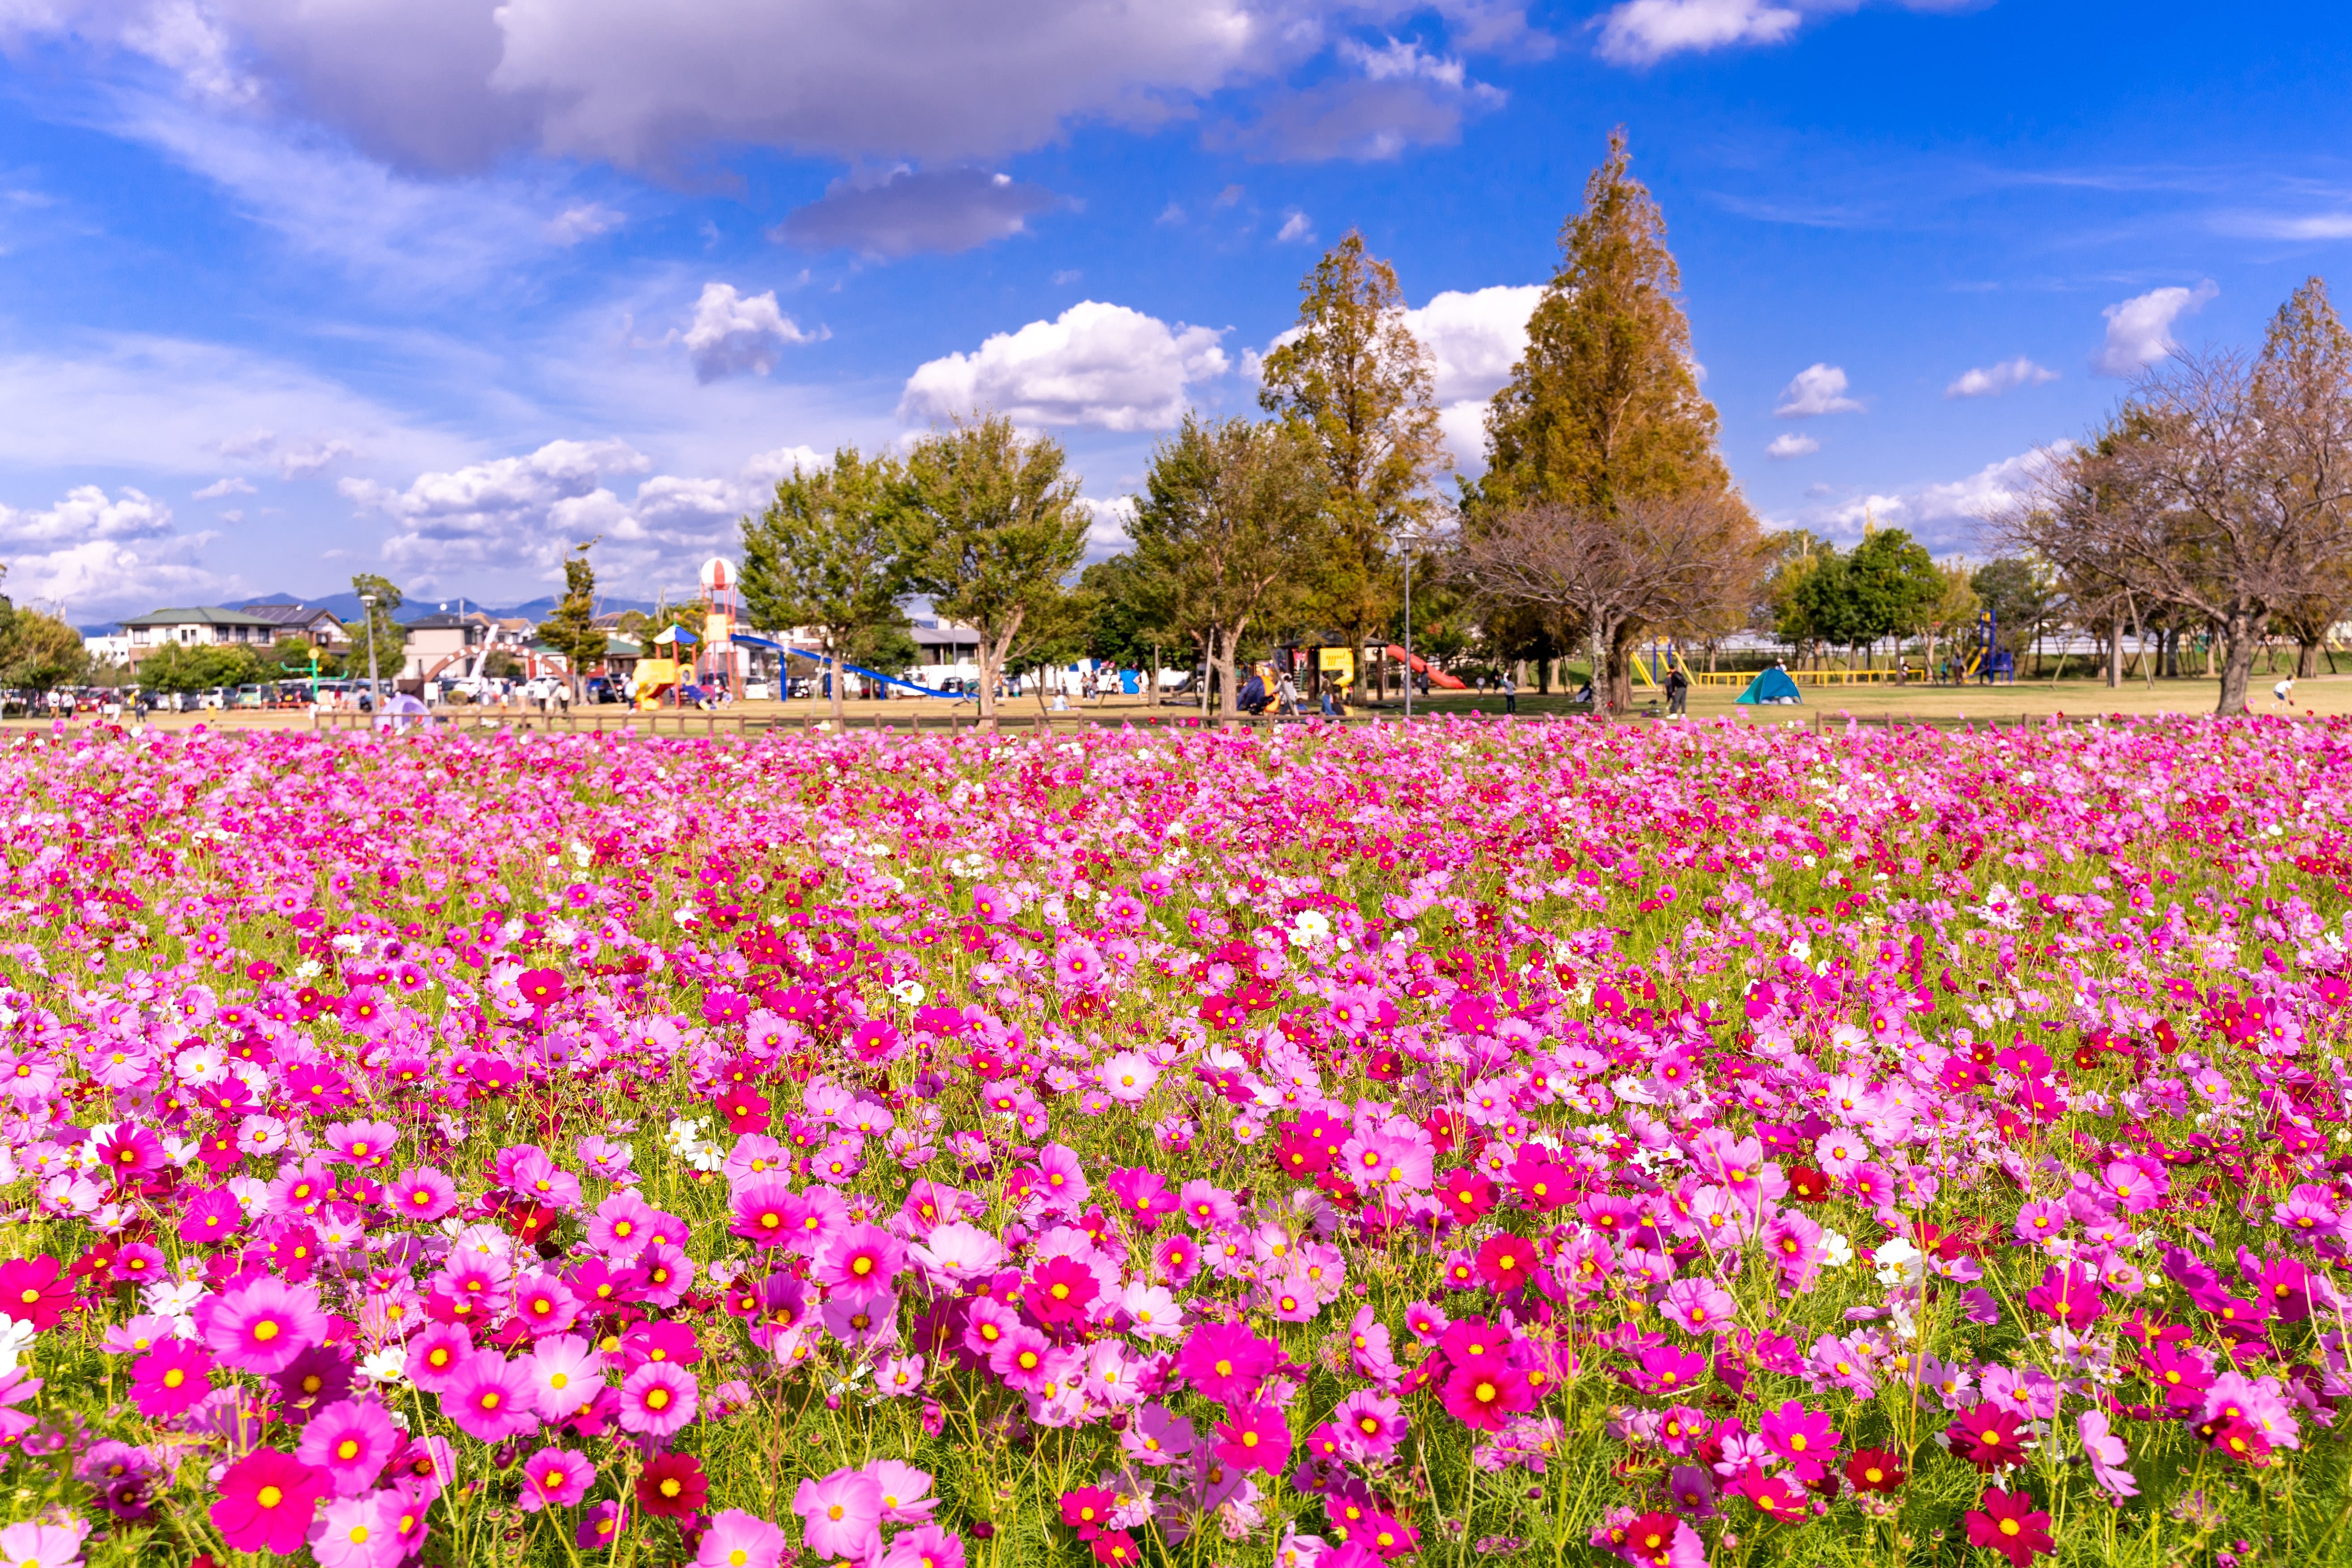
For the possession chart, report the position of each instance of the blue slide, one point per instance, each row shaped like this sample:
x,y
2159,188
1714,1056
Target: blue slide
x,y
823,663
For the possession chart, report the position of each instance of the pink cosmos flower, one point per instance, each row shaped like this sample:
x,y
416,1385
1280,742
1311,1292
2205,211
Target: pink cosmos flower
x,y
556,1477
359,1533
263,1325
1255,1437
841,1515
1698,1305
740,1540
171,1378
1486,1391
265,1501
860,1261
566,1375
762,1209
2107,1455
422,1194
31,1544
1801,1437
350,1440
542,1306
492,1399
438,1355
657,1399
1024,1358
1370,1424
905,1492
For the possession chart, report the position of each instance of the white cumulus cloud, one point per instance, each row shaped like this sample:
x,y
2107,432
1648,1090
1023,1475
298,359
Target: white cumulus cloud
x,y
1817,389
523,513
231,486
1991,381
1789,444
1473,338
1944,515
2139,329
94,554
732,332
1098,364
508,512
1643,32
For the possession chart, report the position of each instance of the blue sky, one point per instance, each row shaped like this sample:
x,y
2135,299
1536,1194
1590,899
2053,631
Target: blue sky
x,y
438,287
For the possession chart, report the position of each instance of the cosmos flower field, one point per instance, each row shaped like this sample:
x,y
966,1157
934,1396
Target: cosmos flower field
x,y
1552,1142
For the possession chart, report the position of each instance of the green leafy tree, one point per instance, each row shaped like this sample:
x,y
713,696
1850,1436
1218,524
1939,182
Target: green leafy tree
x,y
1603,409
1358,383
1952,610
994,525
830,553
378,630
1893,583
40,652
571,629
197,667
1227,532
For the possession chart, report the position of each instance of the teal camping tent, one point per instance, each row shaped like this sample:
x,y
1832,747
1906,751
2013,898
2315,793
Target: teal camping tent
x,y
1772,686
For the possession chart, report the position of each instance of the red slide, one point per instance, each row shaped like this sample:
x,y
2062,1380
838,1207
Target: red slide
x,y
1437,678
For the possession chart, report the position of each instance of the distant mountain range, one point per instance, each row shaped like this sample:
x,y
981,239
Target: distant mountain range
x,y
346,606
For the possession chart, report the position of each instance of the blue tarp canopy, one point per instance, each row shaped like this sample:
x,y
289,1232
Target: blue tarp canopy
x,y
1772,685
674,635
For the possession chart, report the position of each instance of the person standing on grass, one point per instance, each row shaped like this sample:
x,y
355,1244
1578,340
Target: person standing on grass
x,y
1510,690
1286,695
1677,693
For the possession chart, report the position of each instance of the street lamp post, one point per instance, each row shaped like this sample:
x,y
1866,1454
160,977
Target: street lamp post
x,y
1408,630
375,689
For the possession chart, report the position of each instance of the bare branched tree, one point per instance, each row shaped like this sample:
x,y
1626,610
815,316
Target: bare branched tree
x,y
2224,488
1604,572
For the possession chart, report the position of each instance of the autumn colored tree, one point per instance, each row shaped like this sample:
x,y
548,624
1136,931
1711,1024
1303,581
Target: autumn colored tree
x,y
1353,379
1604,410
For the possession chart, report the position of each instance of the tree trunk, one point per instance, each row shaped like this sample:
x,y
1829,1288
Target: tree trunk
x,y
1222,649
1621,671
833,661
2306,661
1153,700
992,652
2235,646
2115,650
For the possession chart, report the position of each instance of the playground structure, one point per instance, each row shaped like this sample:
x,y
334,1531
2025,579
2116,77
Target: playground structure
x,y
679,658
1421,667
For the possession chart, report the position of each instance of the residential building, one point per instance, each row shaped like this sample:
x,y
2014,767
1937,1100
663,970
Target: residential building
x,y
204,625
320,628
443,645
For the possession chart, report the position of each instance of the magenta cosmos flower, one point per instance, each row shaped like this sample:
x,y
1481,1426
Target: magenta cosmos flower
x,y
657,1399
265,1502
263,1326
169,1379
554,1478
350,1440
1255,1439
